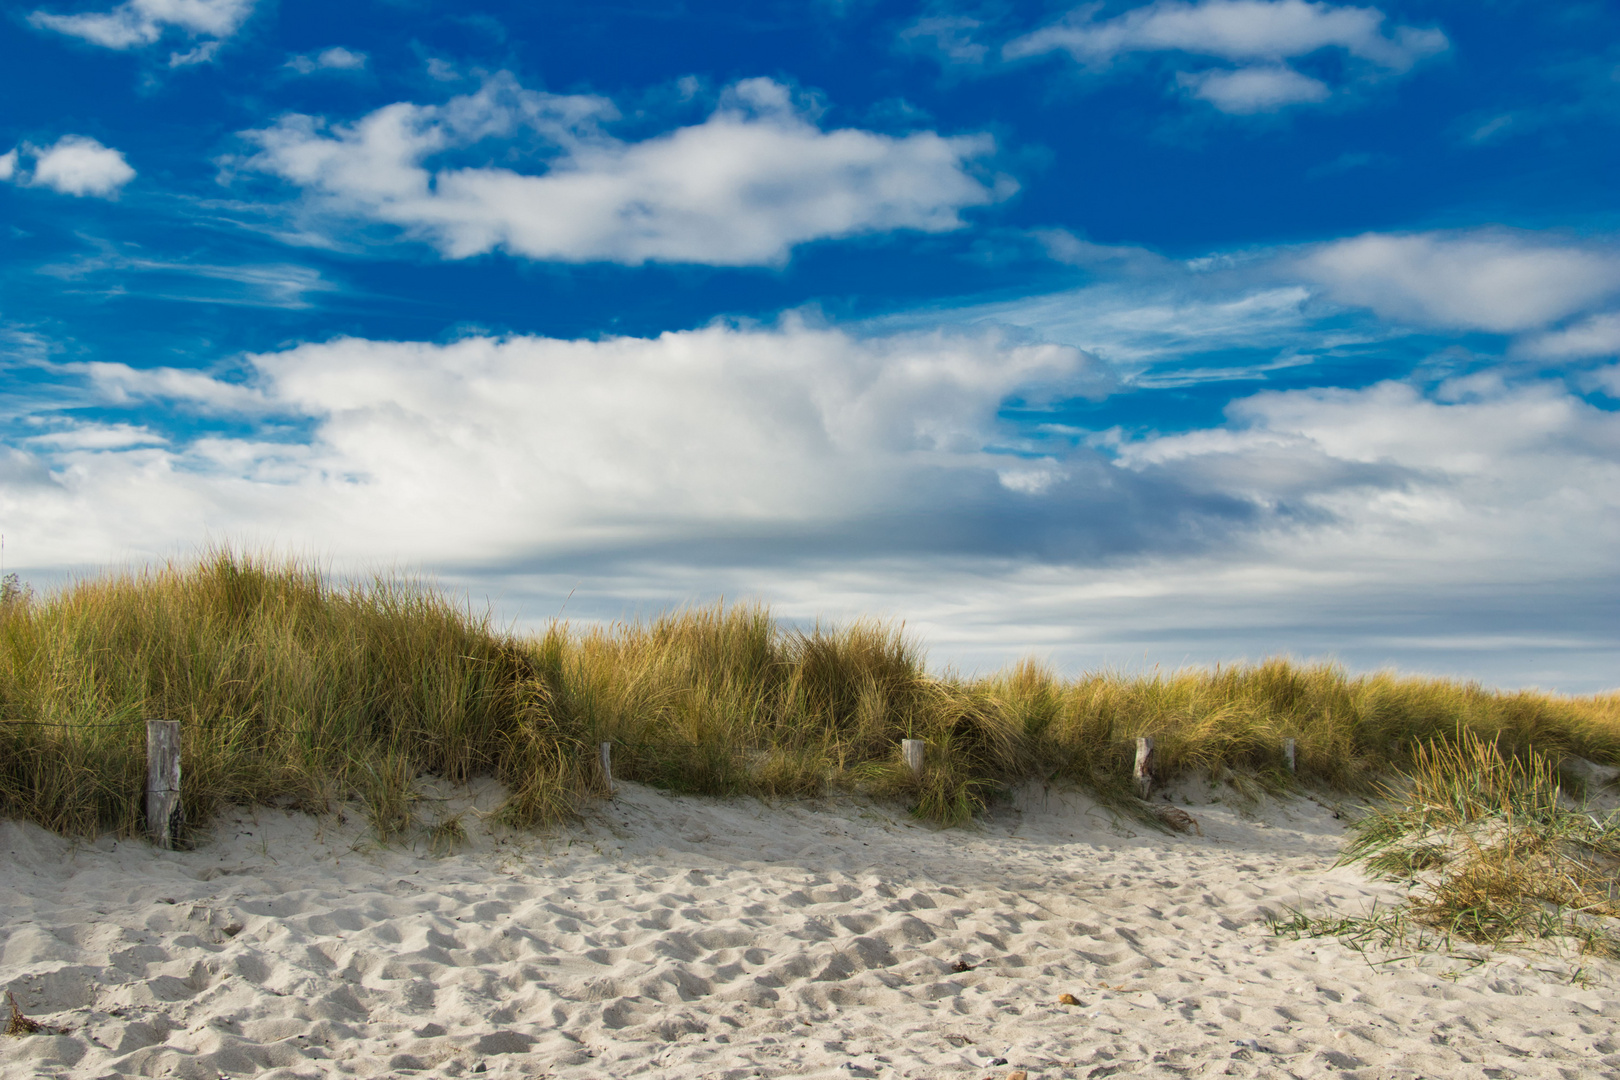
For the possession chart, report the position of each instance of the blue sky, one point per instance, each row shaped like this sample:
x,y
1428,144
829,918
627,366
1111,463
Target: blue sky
x,y
1119,334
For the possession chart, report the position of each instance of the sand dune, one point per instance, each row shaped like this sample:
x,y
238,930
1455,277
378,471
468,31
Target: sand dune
x,y
688,937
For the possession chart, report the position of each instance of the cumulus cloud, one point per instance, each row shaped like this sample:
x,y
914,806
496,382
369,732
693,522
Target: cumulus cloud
x,y
1254,89
489,446
742,188
337,58
1498,281
73,165
144,22
1259,35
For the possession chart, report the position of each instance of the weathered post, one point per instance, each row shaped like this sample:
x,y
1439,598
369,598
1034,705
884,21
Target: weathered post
x,y
912,751
1144,766
163,816
1288,754
605,751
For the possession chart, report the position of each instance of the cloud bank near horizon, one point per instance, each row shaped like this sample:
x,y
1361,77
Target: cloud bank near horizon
x,y
821,467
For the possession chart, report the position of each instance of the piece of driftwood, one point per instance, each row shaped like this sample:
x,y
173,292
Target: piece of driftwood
x,y
605,752
1288,754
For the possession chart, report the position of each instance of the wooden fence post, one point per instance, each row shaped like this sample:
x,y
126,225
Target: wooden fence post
x,y
1144,766
163,814
912,751
605,751
1288,754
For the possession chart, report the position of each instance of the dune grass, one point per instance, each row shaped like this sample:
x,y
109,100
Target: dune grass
x,y
295,690
1494,850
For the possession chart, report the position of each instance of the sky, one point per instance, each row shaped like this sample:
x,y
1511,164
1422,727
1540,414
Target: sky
x,y
1121,336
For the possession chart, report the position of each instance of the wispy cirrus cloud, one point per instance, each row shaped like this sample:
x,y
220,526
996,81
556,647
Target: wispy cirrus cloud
x,y
954,38
1261,38
744,187
130,271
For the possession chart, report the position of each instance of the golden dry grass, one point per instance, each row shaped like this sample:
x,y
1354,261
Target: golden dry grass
x,y
292,689
1495,851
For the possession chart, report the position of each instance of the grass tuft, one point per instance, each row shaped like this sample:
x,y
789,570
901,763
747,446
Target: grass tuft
x,y
1496,854
18,1025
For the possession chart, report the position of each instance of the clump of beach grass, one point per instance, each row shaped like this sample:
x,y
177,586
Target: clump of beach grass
x,y
1495,851
296,690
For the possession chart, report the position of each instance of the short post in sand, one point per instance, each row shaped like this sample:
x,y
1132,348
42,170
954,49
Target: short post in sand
x,y
605,752
912,751
1144,766
163,817
1288,755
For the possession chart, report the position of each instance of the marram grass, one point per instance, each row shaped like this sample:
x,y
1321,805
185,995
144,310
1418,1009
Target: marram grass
x,y
1494,850
293,690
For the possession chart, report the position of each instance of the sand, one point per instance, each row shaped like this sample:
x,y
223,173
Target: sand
x,y
687,937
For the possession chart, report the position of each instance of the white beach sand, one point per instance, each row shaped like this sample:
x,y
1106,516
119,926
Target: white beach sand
x,y
688,937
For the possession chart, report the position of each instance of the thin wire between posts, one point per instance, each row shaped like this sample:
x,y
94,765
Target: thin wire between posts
x,y
46,723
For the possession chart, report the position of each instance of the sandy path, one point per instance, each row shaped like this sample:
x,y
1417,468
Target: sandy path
x,y
694,938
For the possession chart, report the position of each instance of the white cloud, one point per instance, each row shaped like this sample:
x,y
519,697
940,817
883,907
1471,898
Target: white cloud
x,y
74,165
337,58
742,188
1034,478
950,36
92,436
1379,523
1598,335
120,384
143,22
199,54
1237,30
1254,89
840,475
1488,280
1607,379
1258,35
490,446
